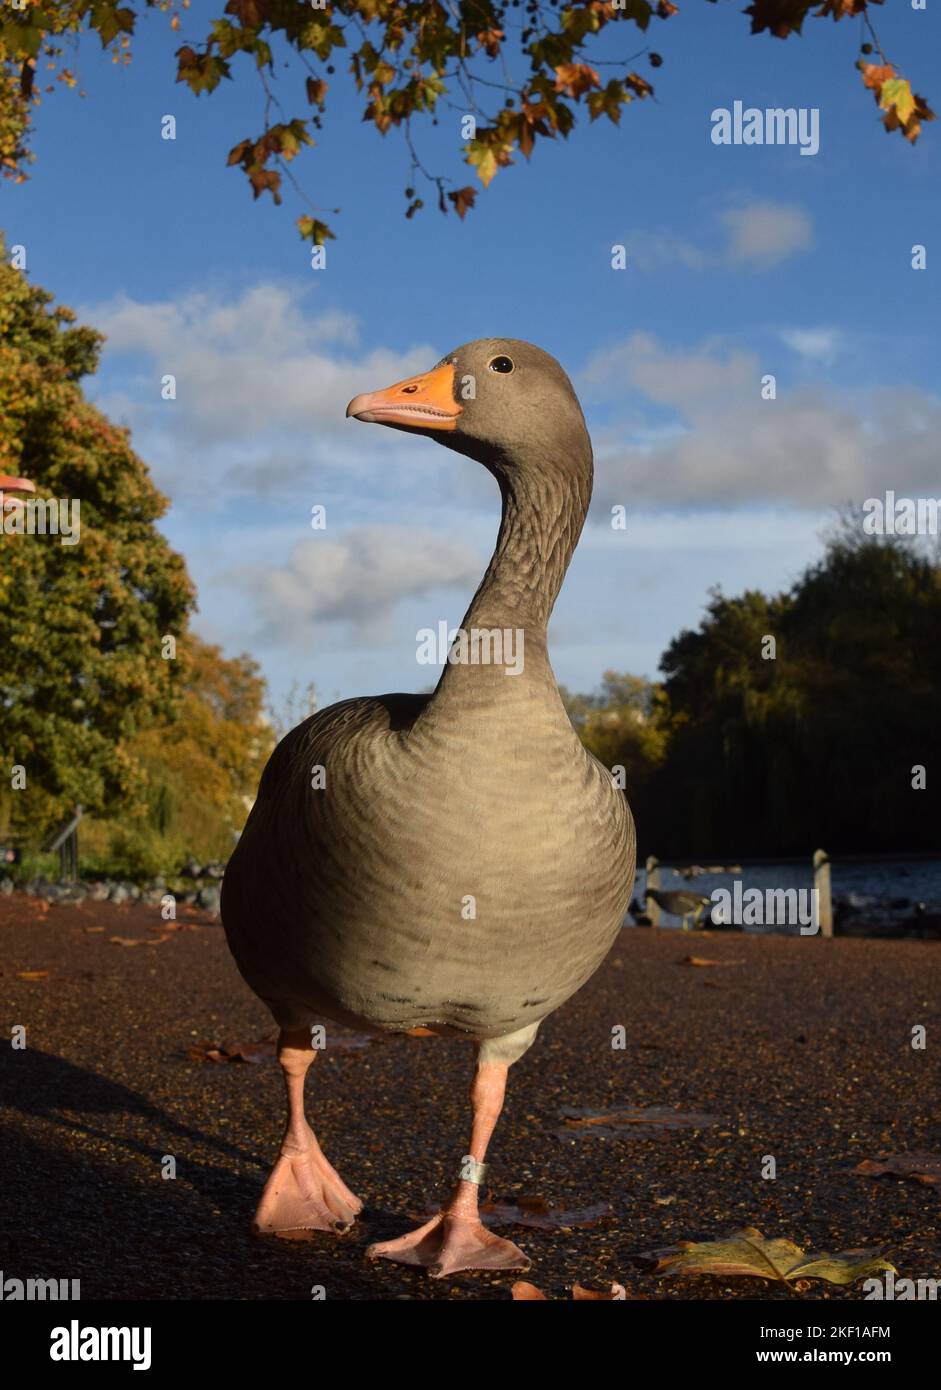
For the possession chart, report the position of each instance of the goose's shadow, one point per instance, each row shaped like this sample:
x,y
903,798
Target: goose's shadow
x,y
43,1086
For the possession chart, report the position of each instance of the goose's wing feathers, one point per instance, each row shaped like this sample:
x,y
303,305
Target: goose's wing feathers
x,y
328,731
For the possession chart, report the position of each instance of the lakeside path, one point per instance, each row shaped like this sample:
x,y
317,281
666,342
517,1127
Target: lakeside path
x,y
802,1050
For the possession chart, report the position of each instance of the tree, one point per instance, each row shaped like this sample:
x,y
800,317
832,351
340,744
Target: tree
x,y
514,72
200,768
82,625
625,724
815,739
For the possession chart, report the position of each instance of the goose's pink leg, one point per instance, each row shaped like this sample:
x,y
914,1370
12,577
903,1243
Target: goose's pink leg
x,y
455,1239
304,1191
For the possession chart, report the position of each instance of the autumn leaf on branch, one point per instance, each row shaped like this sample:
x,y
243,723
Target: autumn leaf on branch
x,y
904,109
574,79
406,58
463,198
747,1253
314,231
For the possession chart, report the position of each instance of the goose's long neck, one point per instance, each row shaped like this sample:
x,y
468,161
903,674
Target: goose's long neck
x,y
543,514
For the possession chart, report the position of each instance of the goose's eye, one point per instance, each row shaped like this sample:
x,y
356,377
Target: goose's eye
x,y
501,364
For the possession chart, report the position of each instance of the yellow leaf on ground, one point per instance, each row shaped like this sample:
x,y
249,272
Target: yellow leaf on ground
x,y
748,1253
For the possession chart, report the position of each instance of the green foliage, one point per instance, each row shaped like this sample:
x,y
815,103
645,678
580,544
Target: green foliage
x,y
406,58
625,724
161,753
80,625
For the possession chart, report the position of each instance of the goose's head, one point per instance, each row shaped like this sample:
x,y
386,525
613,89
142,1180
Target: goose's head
x,y
501,401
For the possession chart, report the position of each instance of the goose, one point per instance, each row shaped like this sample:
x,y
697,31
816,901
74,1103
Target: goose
x,y
455,862
680,903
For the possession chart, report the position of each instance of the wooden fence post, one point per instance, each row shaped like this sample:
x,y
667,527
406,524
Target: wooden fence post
x,y
822,886
653,881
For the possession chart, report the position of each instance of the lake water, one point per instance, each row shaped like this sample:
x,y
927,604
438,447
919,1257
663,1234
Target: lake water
x,y
869,886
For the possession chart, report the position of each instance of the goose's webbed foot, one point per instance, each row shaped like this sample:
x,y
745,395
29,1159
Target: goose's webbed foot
x,y
447,1244
305,1193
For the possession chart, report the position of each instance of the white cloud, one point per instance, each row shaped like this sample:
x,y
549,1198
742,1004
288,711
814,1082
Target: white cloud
x,y
683,380
755,234
725,445
357,578
764,234
809,449
261,363
813,344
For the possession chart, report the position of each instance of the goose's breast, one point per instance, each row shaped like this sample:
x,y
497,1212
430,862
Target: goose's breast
x,y
480,892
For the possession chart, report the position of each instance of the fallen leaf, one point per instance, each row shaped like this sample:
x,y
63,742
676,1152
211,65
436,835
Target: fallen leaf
x,y
747,1253
32,974
704,960
540,1214
137,940
630,1119
924,1167
91,930
521,1292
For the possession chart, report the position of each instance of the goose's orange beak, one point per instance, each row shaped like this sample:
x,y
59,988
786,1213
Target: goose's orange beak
x,y
424,402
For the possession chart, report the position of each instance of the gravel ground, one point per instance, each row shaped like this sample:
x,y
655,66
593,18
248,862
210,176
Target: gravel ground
x,y
800,1047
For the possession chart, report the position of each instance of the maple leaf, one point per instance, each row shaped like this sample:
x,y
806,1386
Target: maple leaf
x,y
252,14
874,74
490,41
779,17
897,93
487,154
463,199
666,7
263,180
748,1254
573,79
608,102
314,231
316,90
925,1167
638,84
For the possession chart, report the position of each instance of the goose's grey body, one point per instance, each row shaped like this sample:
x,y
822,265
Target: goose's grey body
x,y
455,869
455,861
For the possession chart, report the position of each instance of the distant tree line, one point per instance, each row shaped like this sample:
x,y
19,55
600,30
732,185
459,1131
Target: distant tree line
x,y
738,752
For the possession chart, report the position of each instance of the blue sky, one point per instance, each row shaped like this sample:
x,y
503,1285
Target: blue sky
x,y
742,261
